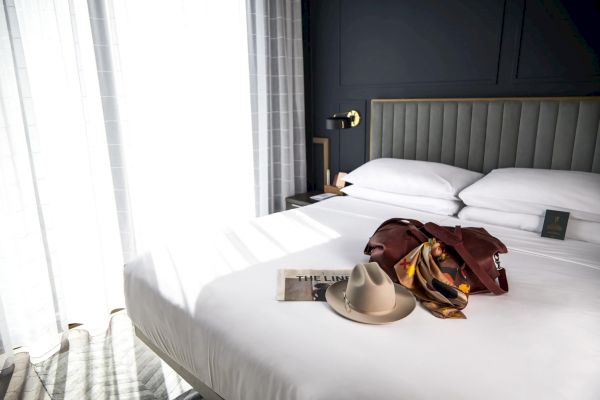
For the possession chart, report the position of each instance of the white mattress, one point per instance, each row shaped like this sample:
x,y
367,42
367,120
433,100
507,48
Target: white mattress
x,y
212,308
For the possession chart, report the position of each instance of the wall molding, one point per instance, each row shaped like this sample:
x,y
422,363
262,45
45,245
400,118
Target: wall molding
x,y
399,84
331,94
541,79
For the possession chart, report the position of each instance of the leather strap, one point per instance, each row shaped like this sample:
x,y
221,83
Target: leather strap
x,y
417,233
502,278
402,221
479,272
413,226
454,239
443,234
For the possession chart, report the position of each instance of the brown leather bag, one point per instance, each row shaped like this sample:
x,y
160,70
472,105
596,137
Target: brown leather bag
x,y
474,247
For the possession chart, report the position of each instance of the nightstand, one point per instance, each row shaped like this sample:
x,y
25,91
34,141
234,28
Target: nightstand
x,y
300,200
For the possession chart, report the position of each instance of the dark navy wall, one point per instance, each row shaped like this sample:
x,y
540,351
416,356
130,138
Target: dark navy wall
x,y
357,50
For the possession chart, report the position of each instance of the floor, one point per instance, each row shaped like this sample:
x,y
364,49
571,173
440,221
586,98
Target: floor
x,y
23,382
112,365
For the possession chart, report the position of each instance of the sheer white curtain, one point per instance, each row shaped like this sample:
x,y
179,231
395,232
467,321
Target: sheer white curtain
x,y
60,257
181,74
120,122
125,121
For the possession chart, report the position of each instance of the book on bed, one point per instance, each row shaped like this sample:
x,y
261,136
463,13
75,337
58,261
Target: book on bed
x,y
307,284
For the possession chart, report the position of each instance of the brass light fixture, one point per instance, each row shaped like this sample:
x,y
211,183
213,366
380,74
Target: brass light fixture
x,y
343,120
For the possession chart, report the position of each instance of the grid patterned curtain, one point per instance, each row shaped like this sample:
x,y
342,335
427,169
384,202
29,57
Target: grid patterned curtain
x,y
277,92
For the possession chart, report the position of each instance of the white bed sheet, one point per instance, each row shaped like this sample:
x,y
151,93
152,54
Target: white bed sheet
x,y
212,308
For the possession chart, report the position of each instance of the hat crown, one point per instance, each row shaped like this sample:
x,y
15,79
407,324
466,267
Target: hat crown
x,y
370,289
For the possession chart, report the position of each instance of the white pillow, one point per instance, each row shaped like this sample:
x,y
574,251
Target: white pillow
x,y
526,222
420,178
577,229
421,203
533,191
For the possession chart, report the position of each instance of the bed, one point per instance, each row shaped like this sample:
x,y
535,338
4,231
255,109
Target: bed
x,y
211,313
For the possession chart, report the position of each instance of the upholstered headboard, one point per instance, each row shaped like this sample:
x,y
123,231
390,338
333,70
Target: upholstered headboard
x,y
483,134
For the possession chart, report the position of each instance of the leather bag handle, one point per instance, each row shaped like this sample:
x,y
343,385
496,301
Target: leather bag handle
x,y
454,239
445,235
480,273
417,233
403,221
413,226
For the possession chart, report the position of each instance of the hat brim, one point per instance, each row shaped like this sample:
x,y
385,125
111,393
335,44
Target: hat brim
x,y
405,303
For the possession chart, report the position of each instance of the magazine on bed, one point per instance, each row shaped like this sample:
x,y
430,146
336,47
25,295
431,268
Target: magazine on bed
x,y
307,284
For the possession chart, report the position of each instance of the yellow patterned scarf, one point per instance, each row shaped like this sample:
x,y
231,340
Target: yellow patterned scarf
x,y
435,279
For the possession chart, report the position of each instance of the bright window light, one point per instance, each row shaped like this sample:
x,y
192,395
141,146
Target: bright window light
x,y
188,139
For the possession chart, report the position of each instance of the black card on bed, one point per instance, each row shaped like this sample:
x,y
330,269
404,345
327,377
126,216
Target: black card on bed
x,y
555,224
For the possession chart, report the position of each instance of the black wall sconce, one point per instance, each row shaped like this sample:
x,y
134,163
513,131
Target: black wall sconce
x,y
343,120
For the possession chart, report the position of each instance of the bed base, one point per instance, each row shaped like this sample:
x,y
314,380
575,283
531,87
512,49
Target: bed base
x,y
205,391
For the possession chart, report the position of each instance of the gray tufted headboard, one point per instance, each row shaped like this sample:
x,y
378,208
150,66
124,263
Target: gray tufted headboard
x,y
483,134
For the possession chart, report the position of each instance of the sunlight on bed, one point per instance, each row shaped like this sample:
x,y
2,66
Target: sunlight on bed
x,y
198,258
271,237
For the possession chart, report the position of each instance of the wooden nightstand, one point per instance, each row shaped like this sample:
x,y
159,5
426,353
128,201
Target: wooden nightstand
x,y
300,200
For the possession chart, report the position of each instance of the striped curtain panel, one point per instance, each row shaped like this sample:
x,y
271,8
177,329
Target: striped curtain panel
x,y
277,93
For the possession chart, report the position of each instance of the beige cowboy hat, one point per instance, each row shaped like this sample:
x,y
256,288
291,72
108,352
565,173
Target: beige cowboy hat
x,y
370,296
